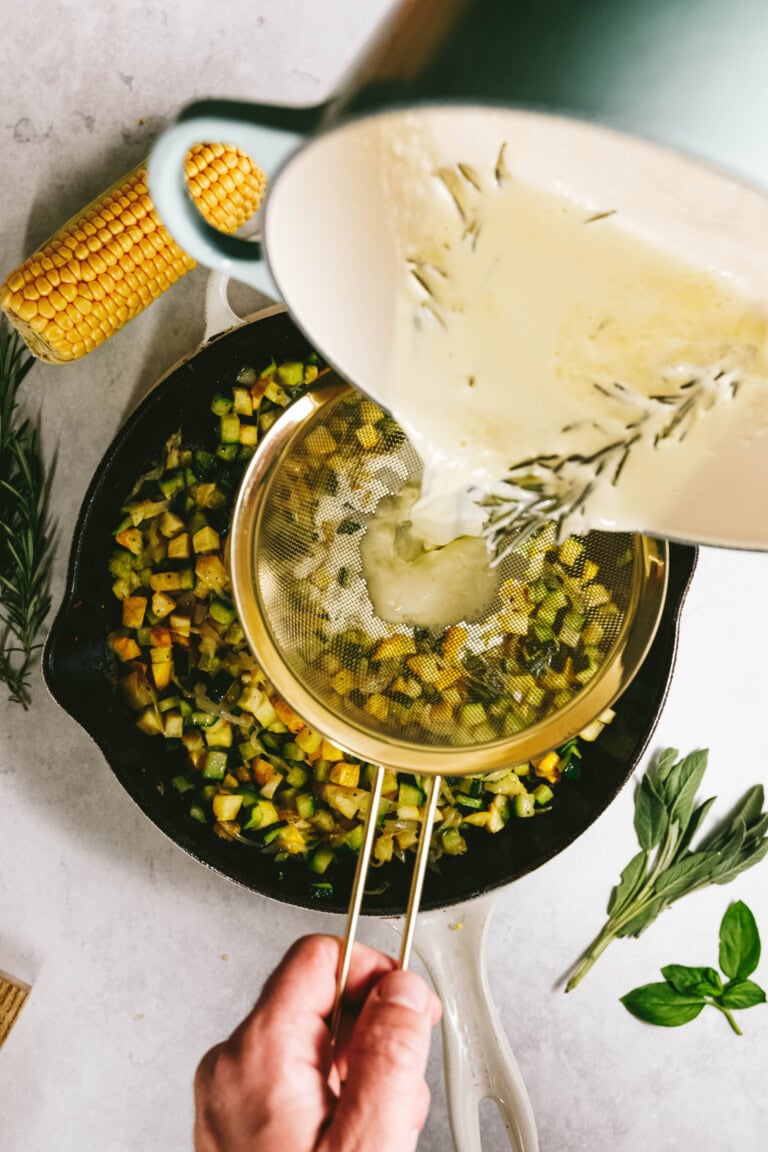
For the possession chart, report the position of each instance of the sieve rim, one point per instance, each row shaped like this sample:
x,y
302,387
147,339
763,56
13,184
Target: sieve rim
x,y
642,617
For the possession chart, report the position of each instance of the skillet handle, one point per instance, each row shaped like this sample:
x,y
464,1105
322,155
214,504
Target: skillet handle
x,y
479,1063
220,316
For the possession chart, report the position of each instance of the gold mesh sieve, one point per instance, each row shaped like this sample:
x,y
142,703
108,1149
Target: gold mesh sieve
x,y
566,629
398,694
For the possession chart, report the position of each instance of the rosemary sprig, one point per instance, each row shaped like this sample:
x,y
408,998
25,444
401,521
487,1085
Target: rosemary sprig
x,y
667,867
25,531
557,487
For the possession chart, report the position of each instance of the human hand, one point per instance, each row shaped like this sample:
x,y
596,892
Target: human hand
x,y
277,1085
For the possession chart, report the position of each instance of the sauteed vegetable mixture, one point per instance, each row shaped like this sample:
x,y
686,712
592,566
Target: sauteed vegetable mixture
x,y
254,771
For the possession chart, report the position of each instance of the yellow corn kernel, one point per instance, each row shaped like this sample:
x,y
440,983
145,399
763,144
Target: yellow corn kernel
x,y
108,263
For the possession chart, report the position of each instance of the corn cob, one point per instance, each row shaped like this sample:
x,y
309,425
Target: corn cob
x,y
114,258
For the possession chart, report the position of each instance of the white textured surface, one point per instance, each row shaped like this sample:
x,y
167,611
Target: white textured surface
x,y
139,958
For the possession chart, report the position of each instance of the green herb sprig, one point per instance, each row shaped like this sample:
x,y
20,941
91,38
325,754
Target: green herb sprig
x,y
667,867
686,991
25,529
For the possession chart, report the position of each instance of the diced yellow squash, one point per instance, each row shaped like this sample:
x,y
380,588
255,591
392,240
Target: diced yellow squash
x,y
150,721
478,819
570,550
425,665
343,681
548,767
309,741
160,637
394,647
134,608
382,849
137,690
286,714
408,687
319,442
180,623
250,698
370,413
171,524
226,806
348,801
291,840
206,539
192,739
161,672
249,435
514,621
125,647
166,581
377,706
219,735
162,604
367,436
330,751
447,677
345,773
265,713
453,641
211,571
132,539
242,402
589,571
173,725
262,770
179,547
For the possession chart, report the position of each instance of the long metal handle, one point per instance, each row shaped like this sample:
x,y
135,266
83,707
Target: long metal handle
x,y
358,888
356,899
419,870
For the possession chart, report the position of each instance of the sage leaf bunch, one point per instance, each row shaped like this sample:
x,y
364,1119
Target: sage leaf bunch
x,y
686,991
669,866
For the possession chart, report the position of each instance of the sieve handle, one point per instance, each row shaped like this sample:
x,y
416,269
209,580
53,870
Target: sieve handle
x,y
479,1063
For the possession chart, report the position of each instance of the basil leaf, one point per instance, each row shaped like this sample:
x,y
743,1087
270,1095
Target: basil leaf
x,y
742,994
697,981
739,942
661,1004
630,881
650,816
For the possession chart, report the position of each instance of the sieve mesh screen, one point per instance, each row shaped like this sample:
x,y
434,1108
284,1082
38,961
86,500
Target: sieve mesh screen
x,y
558,611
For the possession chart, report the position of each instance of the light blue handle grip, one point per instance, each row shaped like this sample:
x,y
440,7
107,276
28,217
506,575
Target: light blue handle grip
x,y
269,147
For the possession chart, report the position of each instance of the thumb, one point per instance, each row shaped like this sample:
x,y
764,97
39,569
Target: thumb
x,y
385,1099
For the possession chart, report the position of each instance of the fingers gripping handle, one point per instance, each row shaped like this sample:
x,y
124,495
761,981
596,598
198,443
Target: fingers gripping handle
x,y
479,1063
269,148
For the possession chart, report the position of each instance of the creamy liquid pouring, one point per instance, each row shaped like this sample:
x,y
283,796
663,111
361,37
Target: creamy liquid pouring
x,y
518,313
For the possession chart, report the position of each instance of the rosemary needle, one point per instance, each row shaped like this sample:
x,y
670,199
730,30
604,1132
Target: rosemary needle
x,y
25,530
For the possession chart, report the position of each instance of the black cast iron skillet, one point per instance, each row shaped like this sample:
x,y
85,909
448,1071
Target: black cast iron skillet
x,y
80,671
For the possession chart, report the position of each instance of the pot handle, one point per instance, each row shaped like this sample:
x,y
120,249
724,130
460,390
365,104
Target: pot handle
x,y
479,1063
220,316
242,126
